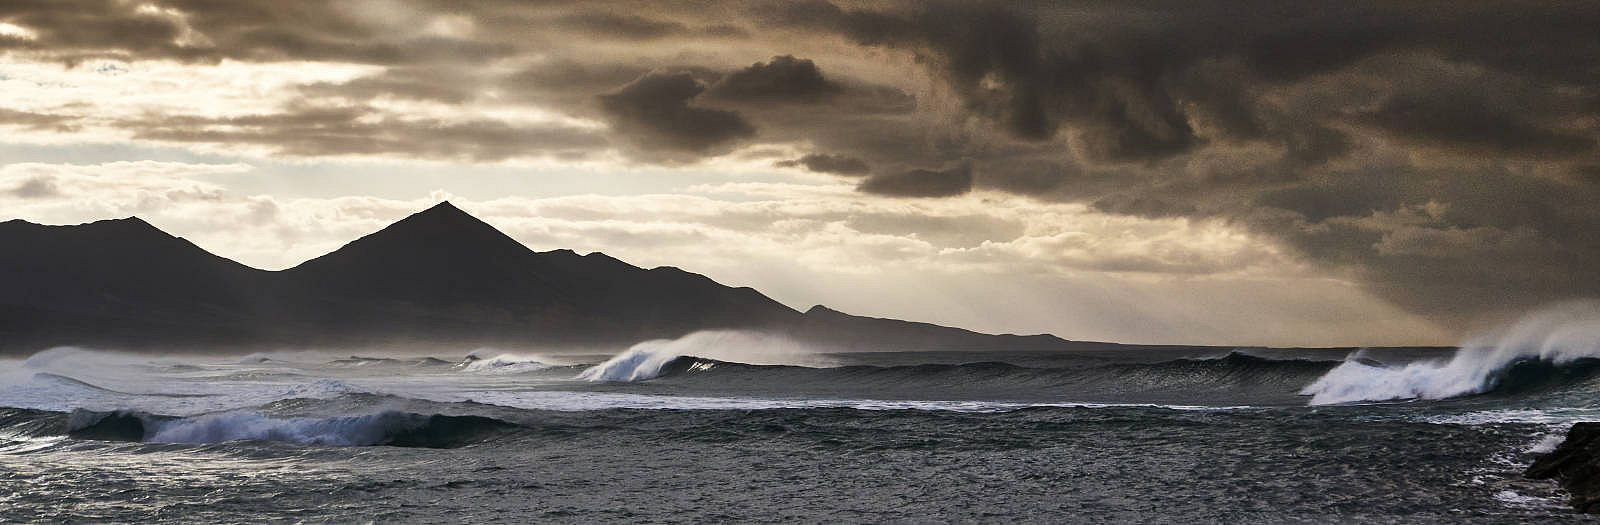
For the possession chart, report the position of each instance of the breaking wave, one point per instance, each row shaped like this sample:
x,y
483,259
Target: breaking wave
x,y
503,364
1232,372
1550,348
392,428
647,359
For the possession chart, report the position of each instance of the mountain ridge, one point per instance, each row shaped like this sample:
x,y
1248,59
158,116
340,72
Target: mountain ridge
x,y
438,276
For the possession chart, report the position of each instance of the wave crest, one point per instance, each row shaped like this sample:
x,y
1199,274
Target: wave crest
x,y
650,359
1556,345
392,428
503,364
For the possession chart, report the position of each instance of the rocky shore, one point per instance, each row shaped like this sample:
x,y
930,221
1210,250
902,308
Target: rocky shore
x,y
1575,465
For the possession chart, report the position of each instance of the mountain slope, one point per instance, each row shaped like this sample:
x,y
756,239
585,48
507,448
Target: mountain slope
x,y
118,280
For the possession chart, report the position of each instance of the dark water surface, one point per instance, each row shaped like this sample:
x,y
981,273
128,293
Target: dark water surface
x,y
1165,435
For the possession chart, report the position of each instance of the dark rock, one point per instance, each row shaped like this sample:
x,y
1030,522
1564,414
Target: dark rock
x,y
1575,465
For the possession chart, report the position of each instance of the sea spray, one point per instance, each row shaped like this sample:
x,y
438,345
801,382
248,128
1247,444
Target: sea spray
x,y
1552,337
482,362
645,360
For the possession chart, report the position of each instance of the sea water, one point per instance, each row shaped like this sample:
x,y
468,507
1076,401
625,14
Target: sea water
x,y
746,427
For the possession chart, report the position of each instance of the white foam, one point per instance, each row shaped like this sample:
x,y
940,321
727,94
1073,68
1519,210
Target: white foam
x,y
1513,499
339,431
1558,335
644,360
1548,444
321,389
506,364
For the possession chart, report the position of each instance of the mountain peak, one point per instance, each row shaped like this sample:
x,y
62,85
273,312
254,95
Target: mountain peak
x,y
440,228
444,211
443,219
439,255
133,221
821,310
125,228
443,207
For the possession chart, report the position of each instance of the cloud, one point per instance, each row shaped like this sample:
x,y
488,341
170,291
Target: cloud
x,y
824,163
626,27
424,84
1313,126
1455,242
358,130
1122,274
35,121
206,31
37,187
654,112
782,80
114,189
1473,130
921,183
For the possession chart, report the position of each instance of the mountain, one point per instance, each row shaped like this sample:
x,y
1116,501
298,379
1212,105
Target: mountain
x,y
440,276
444,273
117,280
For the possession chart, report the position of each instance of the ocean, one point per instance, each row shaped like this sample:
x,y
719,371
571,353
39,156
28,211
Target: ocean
x,y
743,427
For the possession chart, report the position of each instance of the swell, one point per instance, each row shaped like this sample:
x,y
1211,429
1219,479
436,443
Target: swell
x,y
79,383
1232,371
364,361
385,428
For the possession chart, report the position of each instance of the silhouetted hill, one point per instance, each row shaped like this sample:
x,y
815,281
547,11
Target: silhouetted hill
x,y
444,273
116,280
440,255
853,332
438,276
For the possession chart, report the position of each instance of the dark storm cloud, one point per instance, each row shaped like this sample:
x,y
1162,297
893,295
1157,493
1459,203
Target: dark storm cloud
x,y
824,163
997,61
654,112
1325,125
1130,79
1031,176
783,79
725,31
569,82
1443,154
1143,206
1474,130
1590,174
921,183
626,27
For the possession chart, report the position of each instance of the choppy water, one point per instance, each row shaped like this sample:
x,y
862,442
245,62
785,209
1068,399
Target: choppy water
x,y
743,427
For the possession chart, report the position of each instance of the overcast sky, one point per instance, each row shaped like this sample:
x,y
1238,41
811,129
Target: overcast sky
x,y
1225,172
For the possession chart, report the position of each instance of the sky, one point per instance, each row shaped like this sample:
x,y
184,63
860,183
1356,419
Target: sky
x,y
1236,172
